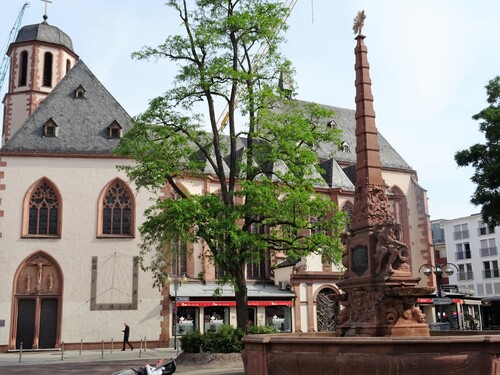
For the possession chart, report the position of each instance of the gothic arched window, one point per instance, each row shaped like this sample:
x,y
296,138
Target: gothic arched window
x,y
47,70
23,71
116,210
42,207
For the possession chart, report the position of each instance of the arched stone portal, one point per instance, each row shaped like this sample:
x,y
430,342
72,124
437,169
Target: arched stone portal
x,y
37,303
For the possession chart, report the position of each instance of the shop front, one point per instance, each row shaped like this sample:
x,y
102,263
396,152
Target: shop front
x,y
214,314
197,307
452,312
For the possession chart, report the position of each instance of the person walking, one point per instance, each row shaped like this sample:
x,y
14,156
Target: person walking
x,y
126,333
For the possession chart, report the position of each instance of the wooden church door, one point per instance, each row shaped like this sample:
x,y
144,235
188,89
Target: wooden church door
x,y
37,303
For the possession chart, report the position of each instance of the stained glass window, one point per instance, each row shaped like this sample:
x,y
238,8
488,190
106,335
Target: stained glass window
x,y
43,218
117,210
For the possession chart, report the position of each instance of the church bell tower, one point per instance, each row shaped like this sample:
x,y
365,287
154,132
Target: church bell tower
x,y
40,57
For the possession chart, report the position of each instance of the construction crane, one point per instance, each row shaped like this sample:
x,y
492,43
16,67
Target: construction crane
x,y
12,36
257,60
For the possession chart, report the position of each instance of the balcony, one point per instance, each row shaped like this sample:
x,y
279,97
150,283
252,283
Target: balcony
x,y
488,251
461,235
465,275
492,273
482,231
461,255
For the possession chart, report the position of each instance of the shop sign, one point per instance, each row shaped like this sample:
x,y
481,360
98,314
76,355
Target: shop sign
x,y
232,303
442,301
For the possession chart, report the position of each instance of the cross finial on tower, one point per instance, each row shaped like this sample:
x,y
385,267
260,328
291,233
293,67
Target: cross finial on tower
x,y
359,22
45,14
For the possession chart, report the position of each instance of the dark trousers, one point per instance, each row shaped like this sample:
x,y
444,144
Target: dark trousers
x,y
125,341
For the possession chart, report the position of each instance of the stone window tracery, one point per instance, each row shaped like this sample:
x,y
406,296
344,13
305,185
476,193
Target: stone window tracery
x,y
116,210
42,211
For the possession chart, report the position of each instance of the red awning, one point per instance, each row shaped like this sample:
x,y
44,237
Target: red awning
x,y
233,303
429,300
424,300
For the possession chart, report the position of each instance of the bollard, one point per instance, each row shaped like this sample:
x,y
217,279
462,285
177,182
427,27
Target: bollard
x,y
140,350
81,346
62,350
20,351
102,349
145,343
111,345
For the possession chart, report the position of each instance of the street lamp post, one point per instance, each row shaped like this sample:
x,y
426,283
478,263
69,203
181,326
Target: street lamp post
x,y
438,270
177,281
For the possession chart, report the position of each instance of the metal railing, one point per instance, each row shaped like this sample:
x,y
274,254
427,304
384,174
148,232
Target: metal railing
x,y
488,251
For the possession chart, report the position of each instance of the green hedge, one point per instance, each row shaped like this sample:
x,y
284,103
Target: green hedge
x,y
226,340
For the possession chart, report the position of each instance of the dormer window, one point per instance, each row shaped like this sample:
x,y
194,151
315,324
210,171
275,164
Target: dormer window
x,y
332,124
80,92
345,147
114,130
50,129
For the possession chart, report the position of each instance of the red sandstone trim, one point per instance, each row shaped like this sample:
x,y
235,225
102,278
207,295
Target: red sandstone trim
x,y
2,187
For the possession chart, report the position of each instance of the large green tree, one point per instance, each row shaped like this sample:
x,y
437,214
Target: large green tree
x,y
265,199
485,158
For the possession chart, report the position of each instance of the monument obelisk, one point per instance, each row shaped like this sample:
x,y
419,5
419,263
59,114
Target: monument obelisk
x,y
380,290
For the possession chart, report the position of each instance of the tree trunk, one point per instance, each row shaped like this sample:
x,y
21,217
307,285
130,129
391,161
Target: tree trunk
x,y
241,297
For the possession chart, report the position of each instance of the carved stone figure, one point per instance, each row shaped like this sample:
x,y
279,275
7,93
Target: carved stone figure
x,y
50,282
388,245
39,263
371,205
27,283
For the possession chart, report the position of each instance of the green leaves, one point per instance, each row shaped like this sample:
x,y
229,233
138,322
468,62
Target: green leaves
x,y
242,197
485,158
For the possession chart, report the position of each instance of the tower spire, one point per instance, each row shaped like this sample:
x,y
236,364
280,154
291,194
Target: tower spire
x,y
380,290
370,201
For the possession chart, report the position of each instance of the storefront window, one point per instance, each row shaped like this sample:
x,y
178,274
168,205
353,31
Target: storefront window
x,y
448,314
215,317
279,317
251,316
187,320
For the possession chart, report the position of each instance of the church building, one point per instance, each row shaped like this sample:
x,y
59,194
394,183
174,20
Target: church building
x,y
69,221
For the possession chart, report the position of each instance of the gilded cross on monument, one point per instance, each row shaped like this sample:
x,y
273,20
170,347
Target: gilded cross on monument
x,y
46,2
359,22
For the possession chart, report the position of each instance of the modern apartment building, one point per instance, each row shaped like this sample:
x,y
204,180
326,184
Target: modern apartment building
x,y
471,245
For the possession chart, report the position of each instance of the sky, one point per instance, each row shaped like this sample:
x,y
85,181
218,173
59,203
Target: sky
x,y
429,63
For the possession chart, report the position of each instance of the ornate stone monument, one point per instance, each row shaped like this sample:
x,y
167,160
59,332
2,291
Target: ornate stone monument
x,y
381,330
380,290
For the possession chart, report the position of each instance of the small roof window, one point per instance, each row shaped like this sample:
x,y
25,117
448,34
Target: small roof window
x,y
79,92
345,147
115,130
50,129
332,124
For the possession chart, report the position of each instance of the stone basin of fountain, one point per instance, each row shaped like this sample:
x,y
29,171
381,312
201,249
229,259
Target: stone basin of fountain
x,y
325,353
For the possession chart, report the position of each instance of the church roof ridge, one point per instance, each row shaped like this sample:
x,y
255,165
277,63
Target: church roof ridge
x,y
82,121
